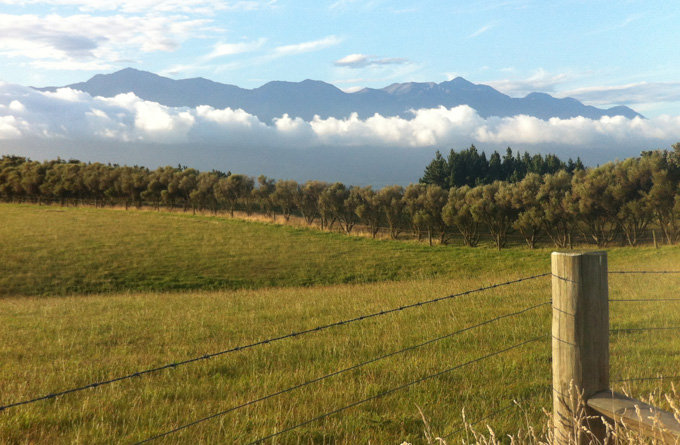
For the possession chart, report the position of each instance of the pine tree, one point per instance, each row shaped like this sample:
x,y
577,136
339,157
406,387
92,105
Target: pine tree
x,y
437,172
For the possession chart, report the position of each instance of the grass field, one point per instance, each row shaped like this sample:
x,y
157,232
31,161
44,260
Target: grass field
x,y
54,250
139,269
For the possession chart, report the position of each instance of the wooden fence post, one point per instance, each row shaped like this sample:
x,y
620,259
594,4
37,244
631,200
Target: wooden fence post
x,y
580,345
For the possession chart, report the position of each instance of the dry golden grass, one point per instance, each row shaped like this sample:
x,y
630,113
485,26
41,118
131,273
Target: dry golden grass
x,y
51,344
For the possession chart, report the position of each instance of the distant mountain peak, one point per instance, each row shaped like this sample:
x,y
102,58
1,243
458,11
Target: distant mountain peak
x,y
309,97
460,81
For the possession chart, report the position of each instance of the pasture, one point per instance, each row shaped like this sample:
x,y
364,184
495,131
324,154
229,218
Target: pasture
x,y
88,294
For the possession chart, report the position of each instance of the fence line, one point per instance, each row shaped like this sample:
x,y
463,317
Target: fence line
x,y
266,341
644,299
581,356
390,391
373,360
636,379
670,328
342,371
624,272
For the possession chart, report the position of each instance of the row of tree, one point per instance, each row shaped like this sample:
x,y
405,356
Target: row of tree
x,y
469,167
616,200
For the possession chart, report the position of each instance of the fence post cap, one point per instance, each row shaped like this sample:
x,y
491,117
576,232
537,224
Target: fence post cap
x,y
581,253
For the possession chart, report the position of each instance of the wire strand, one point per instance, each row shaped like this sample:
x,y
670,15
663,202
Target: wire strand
x,y
351,368
263,342
390,391
670,328
636,379
644,299
623,272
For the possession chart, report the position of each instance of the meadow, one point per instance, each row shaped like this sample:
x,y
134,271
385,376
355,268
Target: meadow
x,y
90,294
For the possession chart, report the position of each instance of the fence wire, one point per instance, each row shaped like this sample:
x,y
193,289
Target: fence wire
x,y
264,342
640,379
342,371
398,388
661,328
623,272
643,299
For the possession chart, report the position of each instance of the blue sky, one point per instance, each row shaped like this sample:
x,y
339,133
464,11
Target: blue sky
x,y
601,52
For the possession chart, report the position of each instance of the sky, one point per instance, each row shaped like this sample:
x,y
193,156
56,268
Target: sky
x,y
604,53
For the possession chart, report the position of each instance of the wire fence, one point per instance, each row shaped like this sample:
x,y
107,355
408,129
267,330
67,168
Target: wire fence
x,y
362,364
646,328
351,368
398,388
267,341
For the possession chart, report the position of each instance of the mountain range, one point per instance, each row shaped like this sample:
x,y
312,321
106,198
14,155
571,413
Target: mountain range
x,y
310,98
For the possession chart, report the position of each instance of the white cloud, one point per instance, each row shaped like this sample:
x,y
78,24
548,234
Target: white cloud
x,y
633,93
74,115
362,61
352,89
137,6
9,128
85,41
541,80
306,47
482,30
222,49
16,106
90,43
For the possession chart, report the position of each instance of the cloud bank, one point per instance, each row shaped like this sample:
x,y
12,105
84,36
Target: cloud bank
x,y
68,114
89,42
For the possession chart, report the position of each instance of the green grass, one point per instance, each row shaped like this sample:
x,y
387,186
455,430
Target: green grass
x,y
61,251
51,344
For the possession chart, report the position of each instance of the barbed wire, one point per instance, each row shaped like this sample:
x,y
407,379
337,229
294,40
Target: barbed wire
x,y
635,379
266,341
643,299
623,272
668,328
333,374
390,391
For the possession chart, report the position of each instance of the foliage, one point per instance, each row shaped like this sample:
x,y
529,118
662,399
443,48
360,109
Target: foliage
x,y
469,167
534,196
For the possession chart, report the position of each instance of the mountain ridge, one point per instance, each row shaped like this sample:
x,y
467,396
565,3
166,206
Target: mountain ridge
x,y
310,98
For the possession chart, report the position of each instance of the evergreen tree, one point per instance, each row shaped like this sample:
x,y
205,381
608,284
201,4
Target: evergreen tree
x,y
437,172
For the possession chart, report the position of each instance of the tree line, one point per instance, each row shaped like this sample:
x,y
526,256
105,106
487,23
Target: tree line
x,y
616,201
469,167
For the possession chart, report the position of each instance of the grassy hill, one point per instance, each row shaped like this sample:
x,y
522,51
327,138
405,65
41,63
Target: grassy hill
x,y
52,250
274,280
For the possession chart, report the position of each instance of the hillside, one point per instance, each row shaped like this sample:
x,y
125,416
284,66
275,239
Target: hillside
x,y
84,339
86,250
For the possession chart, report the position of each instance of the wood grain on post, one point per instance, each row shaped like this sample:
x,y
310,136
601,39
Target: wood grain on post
x,y
580,345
